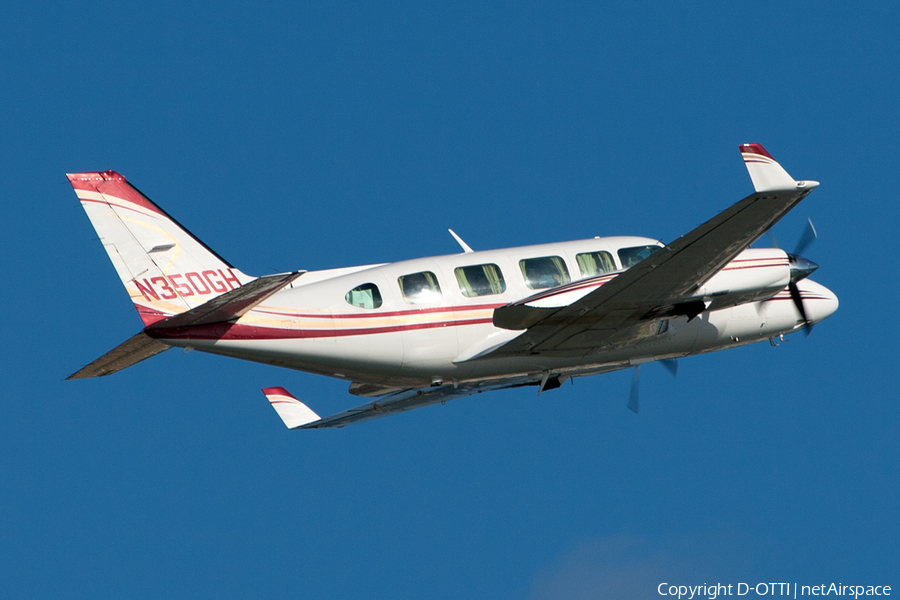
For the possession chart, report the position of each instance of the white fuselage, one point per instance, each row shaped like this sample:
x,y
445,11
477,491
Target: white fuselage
x,y
421,338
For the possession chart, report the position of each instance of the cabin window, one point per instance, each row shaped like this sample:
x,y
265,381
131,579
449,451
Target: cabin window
x,y
595,263
364,296
420,288
632,256
544,272
480,280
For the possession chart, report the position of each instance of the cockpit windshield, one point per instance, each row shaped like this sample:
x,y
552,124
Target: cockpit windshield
x,y
634,255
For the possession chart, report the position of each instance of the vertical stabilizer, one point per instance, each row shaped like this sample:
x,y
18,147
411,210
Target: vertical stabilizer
x,y
164,268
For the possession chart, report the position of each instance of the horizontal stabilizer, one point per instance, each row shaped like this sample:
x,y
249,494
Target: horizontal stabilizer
x,y
293,412
136,349
230,305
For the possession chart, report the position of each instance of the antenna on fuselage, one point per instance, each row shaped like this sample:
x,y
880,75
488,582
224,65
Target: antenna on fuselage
x,y
465,246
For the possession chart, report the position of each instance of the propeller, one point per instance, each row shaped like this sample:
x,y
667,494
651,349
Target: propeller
x,y
807,238
671,365
798,303
634,399
801,268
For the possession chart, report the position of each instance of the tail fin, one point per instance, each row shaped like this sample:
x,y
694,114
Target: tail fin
x,y
164,268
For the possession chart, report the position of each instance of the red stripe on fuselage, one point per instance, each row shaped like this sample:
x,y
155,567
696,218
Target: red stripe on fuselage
x,y
375,314
767,266
738,260
253,332
149,315
581,284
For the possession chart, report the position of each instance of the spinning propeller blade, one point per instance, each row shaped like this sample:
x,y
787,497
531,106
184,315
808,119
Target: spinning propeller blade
x,y
807,238
634,399
671,365
798,303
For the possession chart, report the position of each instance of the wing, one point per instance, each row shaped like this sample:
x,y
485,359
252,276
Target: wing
x,y
627,307
296,415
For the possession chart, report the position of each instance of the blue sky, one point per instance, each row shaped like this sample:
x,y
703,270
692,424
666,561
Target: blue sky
x,y
299,136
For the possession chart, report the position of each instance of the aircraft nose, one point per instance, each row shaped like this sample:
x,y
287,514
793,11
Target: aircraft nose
x,y
820,302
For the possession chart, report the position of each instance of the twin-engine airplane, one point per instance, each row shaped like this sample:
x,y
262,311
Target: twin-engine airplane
x,y
429,330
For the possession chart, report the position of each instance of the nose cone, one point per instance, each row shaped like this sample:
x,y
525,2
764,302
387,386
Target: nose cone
x,y
819,302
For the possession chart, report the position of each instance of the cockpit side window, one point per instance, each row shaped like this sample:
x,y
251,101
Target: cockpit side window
x,y
544,272
364,296
595,263
420,288
634,255
480,280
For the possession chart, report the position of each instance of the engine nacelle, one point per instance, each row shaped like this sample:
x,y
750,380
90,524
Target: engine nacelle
x,y
755,274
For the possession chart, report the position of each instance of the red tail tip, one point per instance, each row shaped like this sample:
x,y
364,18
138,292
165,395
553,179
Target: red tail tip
x,y
109,175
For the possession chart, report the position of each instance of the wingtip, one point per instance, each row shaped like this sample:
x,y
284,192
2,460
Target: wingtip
x,y
755,149
765,172
293,412
277,390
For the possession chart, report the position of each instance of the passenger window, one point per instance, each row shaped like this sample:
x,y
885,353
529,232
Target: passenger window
x,y
595,263
480,280
632,256
364,296
544,272
420,288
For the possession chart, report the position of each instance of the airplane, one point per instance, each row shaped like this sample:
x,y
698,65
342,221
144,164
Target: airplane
x,y
429,330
